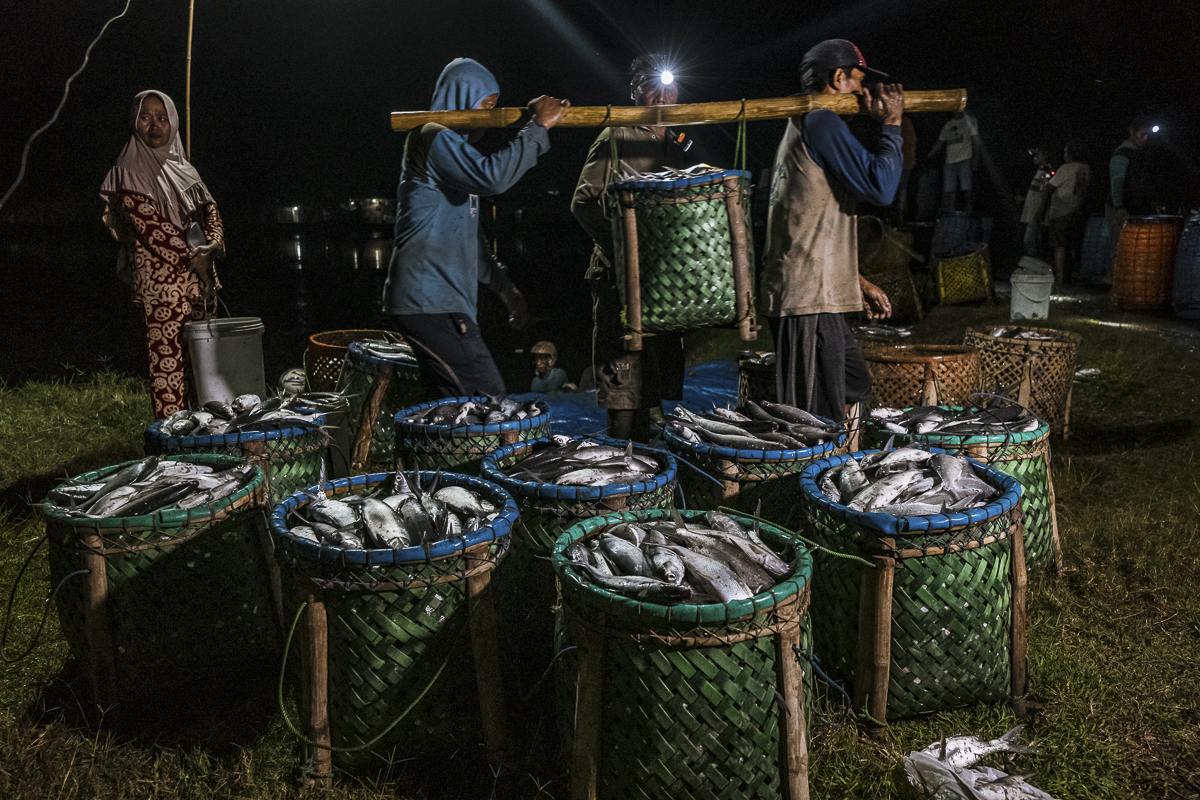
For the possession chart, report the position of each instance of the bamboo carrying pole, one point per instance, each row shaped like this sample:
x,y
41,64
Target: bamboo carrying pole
x,y
743,289
187,97
633,276
682,114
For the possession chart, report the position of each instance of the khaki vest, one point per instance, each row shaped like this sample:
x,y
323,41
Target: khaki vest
x,y
811,260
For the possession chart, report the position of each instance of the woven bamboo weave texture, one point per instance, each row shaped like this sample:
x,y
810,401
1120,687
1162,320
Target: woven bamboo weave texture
x,y
899,373
898,285
1052,365
964,279
882,248
756,381
403,390
1144,266
326,352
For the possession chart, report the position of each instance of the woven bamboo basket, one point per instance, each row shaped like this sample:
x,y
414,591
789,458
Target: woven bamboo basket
x,y
756,380
327,351
956,233
744,478
377,389
154,604
938,618
905,375
1046,366
898,285
680,701
964,279
683,254
1187,271
883,247
460,447
1024,456
385,629
290,456
1144,265
1093,255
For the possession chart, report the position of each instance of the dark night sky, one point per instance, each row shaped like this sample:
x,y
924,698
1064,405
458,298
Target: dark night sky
x,y
291,97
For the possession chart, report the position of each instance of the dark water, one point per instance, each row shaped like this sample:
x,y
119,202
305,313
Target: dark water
x,y
63,308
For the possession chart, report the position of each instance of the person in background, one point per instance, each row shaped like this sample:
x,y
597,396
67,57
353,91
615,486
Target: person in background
x,y
630,385
547,378
1033,210
908,149
960,138
170,231
1130,193
440,257
1065,218
810,277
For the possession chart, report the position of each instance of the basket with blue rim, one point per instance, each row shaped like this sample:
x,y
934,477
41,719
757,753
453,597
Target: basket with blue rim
x,y
460,448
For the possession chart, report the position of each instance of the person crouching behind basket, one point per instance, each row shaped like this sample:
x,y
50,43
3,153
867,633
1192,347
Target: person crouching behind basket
x,y
170,231
440,257
810,277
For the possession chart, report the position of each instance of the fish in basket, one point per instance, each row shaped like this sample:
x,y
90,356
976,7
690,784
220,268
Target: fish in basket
x,y
455,433
379,378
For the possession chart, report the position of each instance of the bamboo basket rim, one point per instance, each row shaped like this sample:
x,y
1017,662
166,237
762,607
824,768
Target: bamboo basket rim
x,y
318,338
886,352
447,548
163,518
166,440
957,439
490,470
465,431
889,525
675,441
781,594
1062,338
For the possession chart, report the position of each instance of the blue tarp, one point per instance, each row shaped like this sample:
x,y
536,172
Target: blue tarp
x,y
576,414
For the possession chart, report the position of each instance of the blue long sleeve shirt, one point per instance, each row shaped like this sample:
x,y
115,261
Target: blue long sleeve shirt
x,y
870,177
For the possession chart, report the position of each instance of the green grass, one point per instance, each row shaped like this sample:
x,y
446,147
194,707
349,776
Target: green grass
x,y
1114,646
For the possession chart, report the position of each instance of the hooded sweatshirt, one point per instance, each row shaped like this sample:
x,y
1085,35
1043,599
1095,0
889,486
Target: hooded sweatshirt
x,y
438,261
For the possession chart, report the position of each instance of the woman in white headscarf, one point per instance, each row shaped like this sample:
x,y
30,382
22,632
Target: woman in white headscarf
x,y
170,233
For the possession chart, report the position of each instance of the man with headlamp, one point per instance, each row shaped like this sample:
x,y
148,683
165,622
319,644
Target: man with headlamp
x,y
630,385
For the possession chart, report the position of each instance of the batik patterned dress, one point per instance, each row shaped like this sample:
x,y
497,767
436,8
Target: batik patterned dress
x,y
169,293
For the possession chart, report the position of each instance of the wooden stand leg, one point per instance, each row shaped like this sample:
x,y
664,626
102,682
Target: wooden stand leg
x,y
487,665
794,723
1019,582
314,698
854,425
103,665
366,422
875,642
589,694
727,493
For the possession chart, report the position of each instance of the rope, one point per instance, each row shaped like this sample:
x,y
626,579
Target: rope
x,y
545,674
436,357
291,726
45,614
814,661
811,544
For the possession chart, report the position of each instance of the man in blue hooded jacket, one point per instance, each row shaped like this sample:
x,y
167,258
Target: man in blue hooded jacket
x,y
440,258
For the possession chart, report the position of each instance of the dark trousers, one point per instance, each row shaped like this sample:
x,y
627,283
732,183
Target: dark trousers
x,y
818,364
632,380
451,355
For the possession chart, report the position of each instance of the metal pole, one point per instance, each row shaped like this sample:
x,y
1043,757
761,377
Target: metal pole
x,y
187,98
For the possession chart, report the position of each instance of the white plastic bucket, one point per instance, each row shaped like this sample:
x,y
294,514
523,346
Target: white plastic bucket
x,y
226,357
1030,296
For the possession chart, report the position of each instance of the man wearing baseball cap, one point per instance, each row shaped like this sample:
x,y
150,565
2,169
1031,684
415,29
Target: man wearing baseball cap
x,y
810,277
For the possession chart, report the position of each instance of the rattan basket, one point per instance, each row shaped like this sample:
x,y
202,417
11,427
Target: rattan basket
x,y
377,388
1047,366
290,456
938,618
460,447
898,285
155,604
1024,456
904,375
883,248
383,629
964,279
1144,266
326,352
684,701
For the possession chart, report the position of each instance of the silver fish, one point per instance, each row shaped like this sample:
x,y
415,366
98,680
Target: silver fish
x,y
464,501
965,751
383,527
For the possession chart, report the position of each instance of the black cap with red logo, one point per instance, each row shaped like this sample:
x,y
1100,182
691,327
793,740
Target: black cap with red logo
x,y
831,54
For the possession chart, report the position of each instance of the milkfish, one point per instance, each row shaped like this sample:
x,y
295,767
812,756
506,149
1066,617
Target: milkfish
x,y
247,413
492,411
923,420
754,426
584,462
907,482
148,486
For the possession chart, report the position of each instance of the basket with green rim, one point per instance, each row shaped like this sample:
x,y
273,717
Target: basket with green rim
x,y
377,386
937,620
1025,456
150,604
679,701
291,456
460,447
399,646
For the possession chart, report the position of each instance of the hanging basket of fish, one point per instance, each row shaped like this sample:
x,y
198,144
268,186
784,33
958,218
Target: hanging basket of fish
x,y
163,580
756,377
455,433
386,585
1006,438
326,353
937,620
905,375
380,378
693,684
683,252
278,434
1034,365
745,451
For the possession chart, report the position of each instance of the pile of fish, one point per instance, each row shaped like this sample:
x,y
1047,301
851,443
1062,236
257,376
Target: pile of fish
x,y
584,462
765,358
1019,333
390,351
492,412
670,561
945,421
150,485
247,412
757,425
906,482
950,770
394,516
